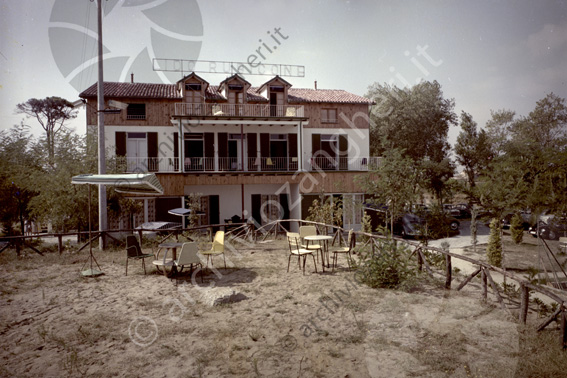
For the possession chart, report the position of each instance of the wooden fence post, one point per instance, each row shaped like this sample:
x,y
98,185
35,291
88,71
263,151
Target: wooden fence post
x,y
525,301
419,260
60,242
564,326
448,269
484,285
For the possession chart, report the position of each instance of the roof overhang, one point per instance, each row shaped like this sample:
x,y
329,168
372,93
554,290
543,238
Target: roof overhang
x,y
133,183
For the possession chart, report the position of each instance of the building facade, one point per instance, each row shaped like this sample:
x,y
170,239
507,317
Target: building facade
x,y
259,153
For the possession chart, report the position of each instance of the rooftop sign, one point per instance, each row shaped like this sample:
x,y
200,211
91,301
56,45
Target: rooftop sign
x,y
220,67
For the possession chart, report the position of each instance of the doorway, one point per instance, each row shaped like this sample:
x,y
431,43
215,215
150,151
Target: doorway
x,y
137,152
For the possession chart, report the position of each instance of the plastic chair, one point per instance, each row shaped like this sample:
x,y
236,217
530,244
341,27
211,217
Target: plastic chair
x,y
134,251
295,249
189,255
351,243
217,248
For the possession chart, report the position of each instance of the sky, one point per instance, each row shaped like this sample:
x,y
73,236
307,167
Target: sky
x,y
486,54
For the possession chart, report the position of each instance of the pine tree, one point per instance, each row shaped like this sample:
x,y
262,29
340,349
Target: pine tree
x,y
494,250
517,228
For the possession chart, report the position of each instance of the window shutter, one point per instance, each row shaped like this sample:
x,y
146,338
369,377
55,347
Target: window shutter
x,y
223,144
153,162
252,145
292,145
120,143
343,152
264,145
315,143
152,145
210,145
176,150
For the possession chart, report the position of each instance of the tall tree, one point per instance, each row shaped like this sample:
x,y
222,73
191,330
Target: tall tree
x,y
472,149
58,201
18,158
51,113
415,120
392,183
498,129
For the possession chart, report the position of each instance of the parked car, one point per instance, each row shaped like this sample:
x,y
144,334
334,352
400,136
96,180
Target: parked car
x,y
464,210
409,225
550,227
451,210
526,216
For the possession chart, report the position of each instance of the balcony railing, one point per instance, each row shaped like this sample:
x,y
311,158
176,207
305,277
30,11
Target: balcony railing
x,y
238,110
257,164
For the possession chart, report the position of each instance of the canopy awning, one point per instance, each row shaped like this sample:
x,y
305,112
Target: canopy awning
x,y
182,212
134,183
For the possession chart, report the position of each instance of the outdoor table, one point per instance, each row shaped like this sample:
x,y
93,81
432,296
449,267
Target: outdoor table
x,y
169,261
325,240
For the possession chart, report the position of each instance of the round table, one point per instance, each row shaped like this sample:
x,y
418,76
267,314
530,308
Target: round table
x,y
325,240
167,261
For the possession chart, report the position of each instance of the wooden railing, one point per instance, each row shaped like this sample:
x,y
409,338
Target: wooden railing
x,y
238,110
484,269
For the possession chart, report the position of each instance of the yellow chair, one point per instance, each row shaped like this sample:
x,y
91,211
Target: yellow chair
x,y
295,249
310,231
217,248
351,243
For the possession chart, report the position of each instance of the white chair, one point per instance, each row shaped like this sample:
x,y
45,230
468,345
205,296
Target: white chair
x,y
189,255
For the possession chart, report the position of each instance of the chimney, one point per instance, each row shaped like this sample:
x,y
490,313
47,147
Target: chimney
x,y
315,84
132,78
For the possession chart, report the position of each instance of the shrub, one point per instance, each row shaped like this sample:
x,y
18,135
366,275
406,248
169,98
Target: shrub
x,y
387,268
517,228
494,250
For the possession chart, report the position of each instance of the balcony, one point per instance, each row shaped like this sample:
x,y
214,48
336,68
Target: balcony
x,y
238,110
234,164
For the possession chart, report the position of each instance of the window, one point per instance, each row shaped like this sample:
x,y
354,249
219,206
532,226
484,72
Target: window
x,y
136,111
192,87
329,115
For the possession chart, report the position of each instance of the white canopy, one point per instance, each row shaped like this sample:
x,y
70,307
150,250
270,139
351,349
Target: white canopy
x,y
135,183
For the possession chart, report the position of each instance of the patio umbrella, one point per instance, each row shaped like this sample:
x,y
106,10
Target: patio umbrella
x,y
184,212
134,183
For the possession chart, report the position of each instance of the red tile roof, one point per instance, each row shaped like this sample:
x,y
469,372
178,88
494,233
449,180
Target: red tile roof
x,y
139,90
169,91
298,95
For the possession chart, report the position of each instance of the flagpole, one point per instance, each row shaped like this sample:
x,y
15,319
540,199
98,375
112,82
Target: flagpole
x,y
102,214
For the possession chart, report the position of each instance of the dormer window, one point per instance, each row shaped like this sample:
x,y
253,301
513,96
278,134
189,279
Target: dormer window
x,y
192,87
276,88
235,87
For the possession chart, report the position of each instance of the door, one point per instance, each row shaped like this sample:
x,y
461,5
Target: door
x,y
137,152
235,152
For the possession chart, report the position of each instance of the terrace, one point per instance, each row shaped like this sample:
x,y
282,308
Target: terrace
x,y
256,164
238,110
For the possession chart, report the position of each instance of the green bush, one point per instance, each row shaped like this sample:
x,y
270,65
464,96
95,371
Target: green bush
x,y
494,250
387,268
517,228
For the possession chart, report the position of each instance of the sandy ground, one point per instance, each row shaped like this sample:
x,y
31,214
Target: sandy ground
x,y
56,323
